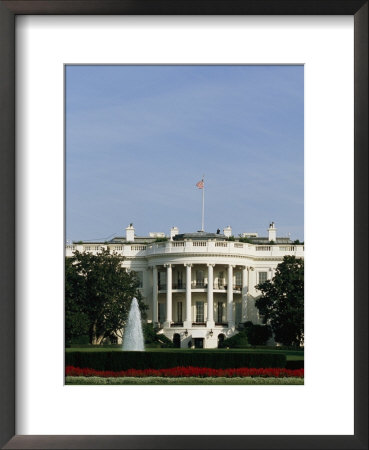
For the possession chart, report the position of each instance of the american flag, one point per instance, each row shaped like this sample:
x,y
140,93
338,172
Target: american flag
x,y
200,184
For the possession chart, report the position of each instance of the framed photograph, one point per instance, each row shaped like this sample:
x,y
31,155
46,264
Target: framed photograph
x,y
133,63
186,296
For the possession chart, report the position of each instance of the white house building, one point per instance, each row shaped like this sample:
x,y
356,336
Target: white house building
x,y
199,286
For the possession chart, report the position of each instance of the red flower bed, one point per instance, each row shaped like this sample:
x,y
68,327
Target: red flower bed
x,y
187,372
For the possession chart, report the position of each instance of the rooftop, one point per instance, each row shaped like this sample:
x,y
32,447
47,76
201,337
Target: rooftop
x,y
199,235
251,238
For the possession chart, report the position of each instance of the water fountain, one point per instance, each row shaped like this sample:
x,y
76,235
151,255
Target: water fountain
x,y
133,336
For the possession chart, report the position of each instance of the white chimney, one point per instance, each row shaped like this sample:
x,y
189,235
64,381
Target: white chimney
x,y
130,233
227,231
173,232
272,232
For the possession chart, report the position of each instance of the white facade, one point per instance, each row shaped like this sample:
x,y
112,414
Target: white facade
x,y
198,286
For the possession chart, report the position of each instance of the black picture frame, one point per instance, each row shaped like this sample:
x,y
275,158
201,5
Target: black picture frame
x,y
8,11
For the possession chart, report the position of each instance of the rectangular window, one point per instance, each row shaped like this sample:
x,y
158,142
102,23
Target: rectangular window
x,y
179,311
161,312
238,276
199,278
220,312
139,276
263,277
179,283
162,280
199,311
221,281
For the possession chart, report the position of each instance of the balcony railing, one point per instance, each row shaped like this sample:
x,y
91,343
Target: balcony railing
x,y
163,287
218,248
199,284
238,248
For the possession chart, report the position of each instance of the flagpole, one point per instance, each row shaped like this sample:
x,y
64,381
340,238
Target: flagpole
x,y
203,196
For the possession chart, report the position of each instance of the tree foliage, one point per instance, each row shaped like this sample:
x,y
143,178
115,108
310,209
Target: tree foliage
x,y
282,301
98,295
257,334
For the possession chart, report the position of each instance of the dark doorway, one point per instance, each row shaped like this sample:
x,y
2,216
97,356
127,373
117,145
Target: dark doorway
x,y
220,340
177,340
199,342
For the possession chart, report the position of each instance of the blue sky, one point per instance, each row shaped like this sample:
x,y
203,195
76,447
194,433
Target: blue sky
x,y
138,139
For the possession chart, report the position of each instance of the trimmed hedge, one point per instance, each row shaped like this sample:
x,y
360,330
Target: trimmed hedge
x,y
295,364
162,360
239,340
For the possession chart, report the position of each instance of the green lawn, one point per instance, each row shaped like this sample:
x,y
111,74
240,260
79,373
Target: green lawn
x,y
183,381
291,355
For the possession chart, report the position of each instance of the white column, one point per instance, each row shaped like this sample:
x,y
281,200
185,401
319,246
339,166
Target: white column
x,y
252,310
210,320
188,320
154,295
244,293
252,281
230,297
168,318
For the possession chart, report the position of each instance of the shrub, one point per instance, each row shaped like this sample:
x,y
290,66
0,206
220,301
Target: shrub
x,y
164,341
91,346
149,333
80,340
114,360
153,339
245,239
258,334
183,380
239,340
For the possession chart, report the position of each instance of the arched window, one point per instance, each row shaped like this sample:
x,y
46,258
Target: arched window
x,y
177,340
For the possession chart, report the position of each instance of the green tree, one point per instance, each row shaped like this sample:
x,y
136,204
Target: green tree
x,y
76,318
282,301
98,295
257,334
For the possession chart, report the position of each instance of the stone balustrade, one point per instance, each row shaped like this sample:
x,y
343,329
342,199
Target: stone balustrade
x,y
187,247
